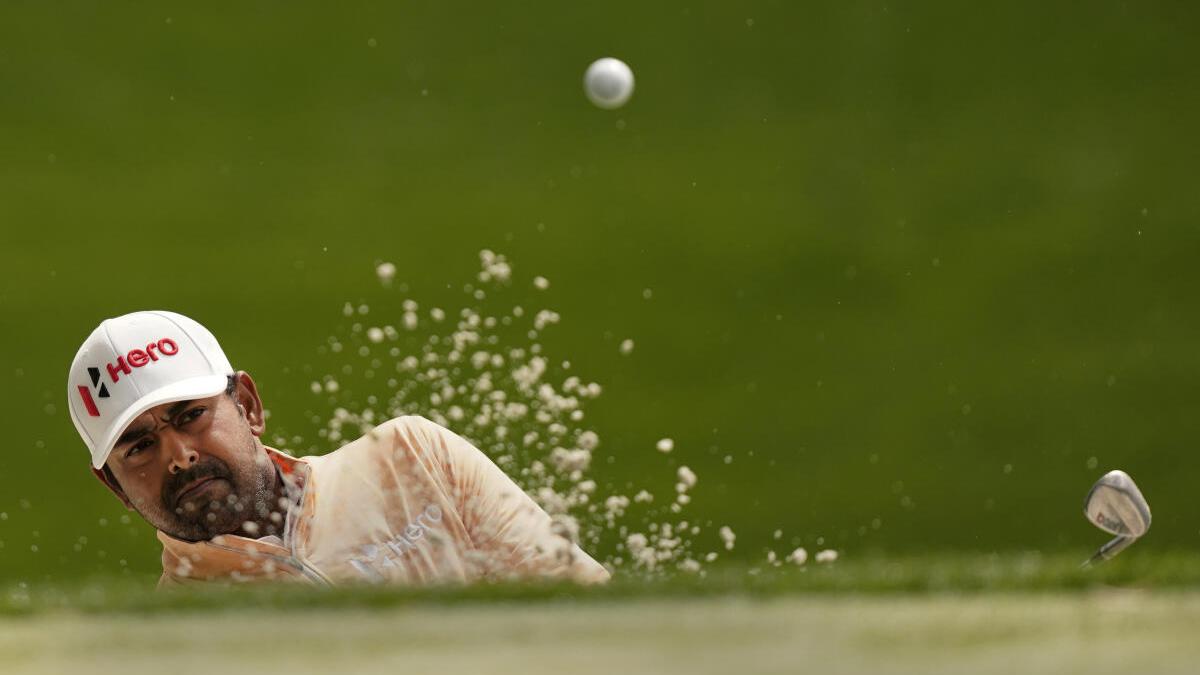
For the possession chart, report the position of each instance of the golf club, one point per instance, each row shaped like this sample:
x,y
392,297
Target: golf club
x,y
1116,505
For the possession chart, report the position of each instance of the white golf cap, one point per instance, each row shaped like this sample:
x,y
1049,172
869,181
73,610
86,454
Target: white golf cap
x,y
137,361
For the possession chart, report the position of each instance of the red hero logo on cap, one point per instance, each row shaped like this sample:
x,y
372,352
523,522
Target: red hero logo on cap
x,y
136,358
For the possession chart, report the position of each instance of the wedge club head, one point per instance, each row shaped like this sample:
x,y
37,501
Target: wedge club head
x,y
1116,505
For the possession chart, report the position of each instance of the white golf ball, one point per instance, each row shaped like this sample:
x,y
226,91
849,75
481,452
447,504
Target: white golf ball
x,y
608,83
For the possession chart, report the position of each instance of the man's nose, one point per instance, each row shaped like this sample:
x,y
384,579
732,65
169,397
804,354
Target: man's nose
x,y
183,456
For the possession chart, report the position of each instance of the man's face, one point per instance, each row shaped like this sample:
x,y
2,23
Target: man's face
x,y
195,469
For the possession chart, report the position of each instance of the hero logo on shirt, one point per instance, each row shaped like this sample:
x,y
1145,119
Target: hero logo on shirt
x,y
390,552
136,358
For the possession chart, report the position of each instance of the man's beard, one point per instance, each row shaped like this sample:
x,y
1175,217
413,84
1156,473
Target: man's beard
x,y
200,518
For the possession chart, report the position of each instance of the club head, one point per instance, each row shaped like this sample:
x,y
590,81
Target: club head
x,y
1116,505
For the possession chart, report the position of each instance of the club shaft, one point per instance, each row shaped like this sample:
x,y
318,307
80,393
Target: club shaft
x,y
1109,550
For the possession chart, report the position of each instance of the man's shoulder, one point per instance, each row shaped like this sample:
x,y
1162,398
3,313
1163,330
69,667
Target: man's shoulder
x,y
406,428
408,452
409,422
405,432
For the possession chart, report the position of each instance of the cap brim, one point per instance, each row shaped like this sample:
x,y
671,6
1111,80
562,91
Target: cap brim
x,y
196,387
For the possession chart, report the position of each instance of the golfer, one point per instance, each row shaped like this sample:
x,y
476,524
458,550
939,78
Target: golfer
x,y
175,433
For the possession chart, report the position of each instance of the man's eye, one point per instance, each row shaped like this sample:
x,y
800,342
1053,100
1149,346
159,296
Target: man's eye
x,y
138,447
190,415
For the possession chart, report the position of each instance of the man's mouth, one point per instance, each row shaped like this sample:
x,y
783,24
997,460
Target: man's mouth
x,y
194,488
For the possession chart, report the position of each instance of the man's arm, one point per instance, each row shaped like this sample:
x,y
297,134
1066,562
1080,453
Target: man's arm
x,y
511,533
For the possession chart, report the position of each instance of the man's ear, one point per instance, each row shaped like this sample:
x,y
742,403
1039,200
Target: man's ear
x,y
245,396
112,484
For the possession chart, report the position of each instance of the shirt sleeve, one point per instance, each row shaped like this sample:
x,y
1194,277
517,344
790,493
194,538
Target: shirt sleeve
x,y
512,536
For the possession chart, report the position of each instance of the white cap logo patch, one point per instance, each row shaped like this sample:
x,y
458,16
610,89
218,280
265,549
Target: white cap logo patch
x,y
135,362
136,358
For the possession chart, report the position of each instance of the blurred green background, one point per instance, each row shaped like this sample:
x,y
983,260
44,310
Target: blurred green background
x,y
923,271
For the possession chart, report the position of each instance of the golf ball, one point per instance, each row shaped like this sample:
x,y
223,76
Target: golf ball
x,y
608,83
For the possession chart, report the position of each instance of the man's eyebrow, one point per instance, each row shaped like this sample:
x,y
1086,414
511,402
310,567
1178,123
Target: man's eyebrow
x,y
134,434
176,409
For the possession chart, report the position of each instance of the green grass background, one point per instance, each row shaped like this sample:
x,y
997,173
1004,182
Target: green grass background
x,y
1103,632
924,270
